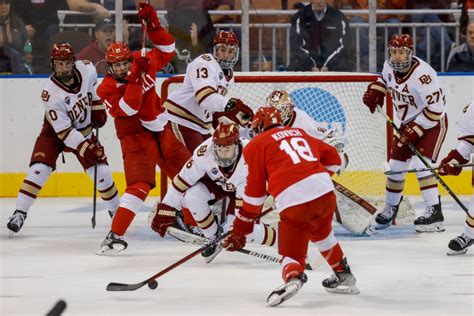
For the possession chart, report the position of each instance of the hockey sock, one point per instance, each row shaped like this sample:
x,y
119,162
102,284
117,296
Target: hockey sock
x,y
130,203
207,224
122,220
330,250
106,186
31,186
290,268
263,234
188,217
429,189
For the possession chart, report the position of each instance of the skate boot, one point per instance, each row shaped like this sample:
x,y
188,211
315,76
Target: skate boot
x,y
431,220
342,282
180,224
287,290
112,244
16,221
385,218
459,245
211,251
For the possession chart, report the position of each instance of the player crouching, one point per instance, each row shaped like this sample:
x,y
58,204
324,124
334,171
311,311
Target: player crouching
x,y
215,172
295,168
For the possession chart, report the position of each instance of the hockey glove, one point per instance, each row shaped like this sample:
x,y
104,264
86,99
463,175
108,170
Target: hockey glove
x,y
147,13
411,134
242,226
98,115
448,164
140,66
164,218
239,112
374,95
91,152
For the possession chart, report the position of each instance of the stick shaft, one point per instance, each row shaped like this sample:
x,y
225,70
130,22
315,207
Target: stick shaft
x,y
425,169
94,199
417,153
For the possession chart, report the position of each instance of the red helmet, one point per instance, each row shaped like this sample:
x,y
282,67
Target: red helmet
x,y
400,42
265,118
226,37
231,43
226,139
117,51
62,51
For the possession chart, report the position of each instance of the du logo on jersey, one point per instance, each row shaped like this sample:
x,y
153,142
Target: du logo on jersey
x,y
322,106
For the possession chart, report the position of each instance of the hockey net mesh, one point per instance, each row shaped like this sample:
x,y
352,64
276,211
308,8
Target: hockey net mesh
x,y
336,100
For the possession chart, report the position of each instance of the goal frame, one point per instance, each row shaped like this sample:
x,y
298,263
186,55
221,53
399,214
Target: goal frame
x,y
286,78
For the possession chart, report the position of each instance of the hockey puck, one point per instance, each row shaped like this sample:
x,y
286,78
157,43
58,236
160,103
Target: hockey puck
x,y
153,284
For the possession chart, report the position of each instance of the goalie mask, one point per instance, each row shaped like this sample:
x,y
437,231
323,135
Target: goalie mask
x,y
226,49
62,61
400,52
265,118
226,144
119,59
281,100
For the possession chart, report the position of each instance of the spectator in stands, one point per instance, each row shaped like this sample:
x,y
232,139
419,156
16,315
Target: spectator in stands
x,y
220,5
319,39
41,22
461,58
11,61
14,31
182,14
364,32
88,6
437,33
95,52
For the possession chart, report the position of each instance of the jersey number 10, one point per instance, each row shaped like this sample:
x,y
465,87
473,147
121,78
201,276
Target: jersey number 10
x,y
297,148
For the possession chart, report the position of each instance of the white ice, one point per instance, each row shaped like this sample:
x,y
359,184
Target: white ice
x,y
399,272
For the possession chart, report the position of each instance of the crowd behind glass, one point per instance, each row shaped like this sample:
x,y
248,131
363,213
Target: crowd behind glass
x,y
320,37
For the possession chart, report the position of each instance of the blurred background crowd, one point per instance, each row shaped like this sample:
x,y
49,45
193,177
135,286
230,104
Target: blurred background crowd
x,y
317,35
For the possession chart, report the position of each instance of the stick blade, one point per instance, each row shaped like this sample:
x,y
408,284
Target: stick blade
x,y
115,287
93,222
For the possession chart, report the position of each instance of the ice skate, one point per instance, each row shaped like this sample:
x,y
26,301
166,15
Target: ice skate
x,y
459,245
432,220
210,252
287,290
385,218
342,282
16,221
180,224
112,244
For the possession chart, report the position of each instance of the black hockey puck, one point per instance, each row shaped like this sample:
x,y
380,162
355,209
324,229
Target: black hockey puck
x,y
153,284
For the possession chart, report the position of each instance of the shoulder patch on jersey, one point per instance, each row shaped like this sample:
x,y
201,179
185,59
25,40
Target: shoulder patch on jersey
x,y
425,79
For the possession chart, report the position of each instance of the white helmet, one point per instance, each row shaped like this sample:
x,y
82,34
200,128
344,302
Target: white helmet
x,y
281,100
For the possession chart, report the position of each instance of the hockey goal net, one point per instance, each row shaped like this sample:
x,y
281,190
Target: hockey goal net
x,y
334,99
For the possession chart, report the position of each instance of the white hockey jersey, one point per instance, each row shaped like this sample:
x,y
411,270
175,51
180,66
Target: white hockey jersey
x,y
466,132
69,110
202,93
417,95
301,119
203,163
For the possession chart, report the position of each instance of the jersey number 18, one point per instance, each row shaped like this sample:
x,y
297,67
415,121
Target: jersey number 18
x,y
297,148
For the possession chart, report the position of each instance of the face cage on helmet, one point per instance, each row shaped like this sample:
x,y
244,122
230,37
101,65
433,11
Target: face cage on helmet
x,y
227,64
115,75
285,110
53,69
400,66
226,162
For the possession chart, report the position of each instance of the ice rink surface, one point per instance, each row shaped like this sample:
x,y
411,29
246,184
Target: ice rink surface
x,y
399,272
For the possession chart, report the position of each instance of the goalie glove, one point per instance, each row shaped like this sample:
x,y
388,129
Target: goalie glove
x,y
374,95
239,112
448,164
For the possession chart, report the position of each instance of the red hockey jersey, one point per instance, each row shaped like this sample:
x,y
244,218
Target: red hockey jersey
x,y
294,164
141,101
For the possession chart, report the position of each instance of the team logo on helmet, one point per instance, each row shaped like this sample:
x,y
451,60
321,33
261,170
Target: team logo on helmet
x,y
400,44
226,41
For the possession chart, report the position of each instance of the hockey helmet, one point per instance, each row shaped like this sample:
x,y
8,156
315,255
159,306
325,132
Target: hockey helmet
x,y
281,100
118,52
226,49
400,51
266,118
226,144
62,52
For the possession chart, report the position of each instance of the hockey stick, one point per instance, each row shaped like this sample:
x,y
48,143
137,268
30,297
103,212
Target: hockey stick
x,y
114,286
390,172
144,26
427,165
354,197
188,237
94,199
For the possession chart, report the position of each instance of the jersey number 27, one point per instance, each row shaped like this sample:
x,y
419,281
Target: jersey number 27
x,y
297,148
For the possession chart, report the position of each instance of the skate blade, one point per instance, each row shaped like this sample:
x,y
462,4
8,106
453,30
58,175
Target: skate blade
x,y
219,248
456,253
282,294
11,233
107,251
343,289
382,226
433,228
186,237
